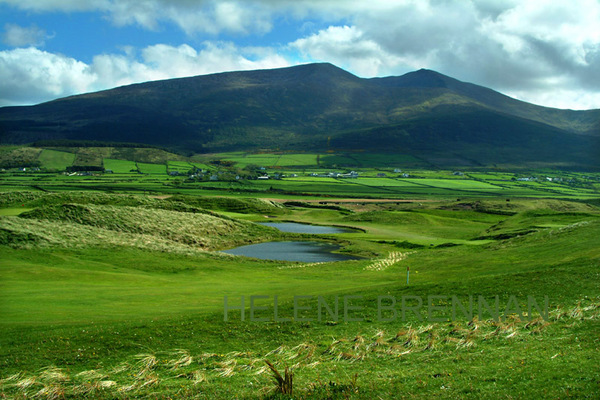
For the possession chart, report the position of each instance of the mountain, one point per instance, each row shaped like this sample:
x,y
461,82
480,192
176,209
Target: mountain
x,y
318,107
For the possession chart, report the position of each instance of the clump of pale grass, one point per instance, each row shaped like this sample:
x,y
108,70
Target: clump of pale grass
x,y
432,343
475,323
51,392
278,350
333,346
349,356
513,333
120,368
226,372
91,374
261,370
146,362
199,377
424,329
412,338
576,312
183,360
11,378
227,368
397,350
558,313
26,383
536,325
107,384
305,349
358,341
380,341
399,335
150,380
129,388
467,341
53,374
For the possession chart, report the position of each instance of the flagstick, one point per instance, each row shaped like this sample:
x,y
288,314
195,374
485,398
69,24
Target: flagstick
x,y
407,273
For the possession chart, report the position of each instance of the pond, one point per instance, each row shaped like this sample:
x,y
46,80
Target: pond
x,y
309,252
295,227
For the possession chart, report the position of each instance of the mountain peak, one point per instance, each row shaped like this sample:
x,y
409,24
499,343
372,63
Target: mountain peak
x,y
318,71
424,78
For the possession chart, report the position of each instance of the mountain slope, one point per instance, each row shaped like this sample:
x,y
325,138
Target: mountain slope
x,y
316,107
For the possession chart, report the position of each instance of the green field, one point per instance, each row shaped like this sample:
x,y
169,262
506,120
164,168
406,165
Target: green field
x,y
120,166
56,160
147,168
114,285
179,166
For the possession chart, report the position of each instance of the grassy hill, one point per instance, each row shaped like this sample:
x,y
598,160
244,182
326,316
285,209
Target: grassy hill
x,y
317,107
111,296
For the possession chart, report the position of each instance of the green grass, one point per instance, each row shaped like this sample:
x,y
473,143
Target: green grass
x,y
119,308
179,166
56,160
120,166
106,295
147,168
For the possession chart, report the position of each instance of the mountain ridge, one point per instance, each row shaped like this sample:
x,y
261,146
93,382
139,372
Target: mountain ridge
x,y
313,107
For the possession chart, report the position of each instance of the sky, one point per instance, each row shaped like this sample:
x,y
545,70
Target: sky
x,y
546,52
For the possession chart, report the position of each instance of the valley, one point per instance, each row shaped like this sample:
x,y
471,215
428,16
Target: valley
x,y
114,283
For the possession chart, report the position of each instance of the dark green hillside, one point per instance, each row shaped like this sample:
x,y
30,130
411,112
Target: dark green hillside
x,y
316,107
478,136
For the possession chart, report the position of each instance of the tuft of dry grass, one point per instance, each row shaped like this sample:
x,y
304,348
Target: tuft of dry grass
x,y
433,340
305,349
91,374
11,378
358,341
227,368
379,342
53,374
51,392
412,338
467,341
26,383
333,346
183,360
150,380
278,350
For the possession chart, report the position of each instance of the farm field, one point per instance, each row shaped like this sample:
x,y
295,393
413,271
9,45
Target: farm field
x,y
56,160
120,166
147,168
113,285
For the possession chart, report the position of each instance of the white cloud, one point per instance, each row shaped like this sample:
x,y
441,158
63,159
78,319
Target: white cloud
x,y
207,16
29,76
18,36
347,47
560,97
